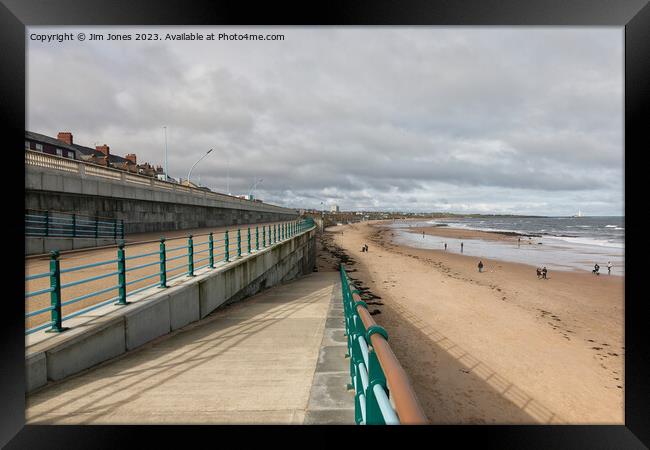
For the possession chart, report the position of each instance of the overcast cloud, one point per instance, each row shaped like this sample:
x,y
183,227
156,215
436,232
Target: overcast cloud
x,y
504,120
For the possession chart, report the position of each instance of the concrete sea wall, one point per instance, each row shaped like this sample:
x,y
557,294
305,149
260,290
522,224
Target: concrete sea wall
x,y
144,204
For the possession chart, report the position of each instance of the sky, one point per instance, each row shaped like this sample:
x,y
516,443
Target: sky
x,y
519,120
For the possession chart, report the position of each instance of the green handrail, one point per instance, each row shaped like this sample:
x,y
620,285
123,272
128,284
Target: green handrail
x,y
160,278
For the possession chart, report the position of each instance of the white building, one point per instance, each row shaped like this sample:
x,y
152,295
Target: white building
x,y
334,208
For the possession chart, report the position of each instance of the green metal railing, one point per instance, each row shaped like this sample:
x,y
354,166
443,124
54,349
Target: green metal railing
x,y
60,224
190,257
383,394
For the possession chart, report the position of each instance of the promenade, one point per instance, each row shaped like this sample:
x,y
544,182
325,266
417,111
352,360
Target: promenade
x,y
277,357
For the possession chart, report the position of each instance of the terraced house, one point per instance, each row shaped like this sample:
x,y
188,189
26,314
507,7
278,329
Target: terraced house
x,y
64,146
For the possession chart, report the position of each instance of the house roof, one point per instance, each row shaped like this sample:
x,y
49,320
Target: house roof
x,y
80,149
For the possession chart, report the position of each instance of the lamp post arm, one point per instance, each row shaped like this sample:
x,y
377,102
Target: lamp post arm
x,y
193,165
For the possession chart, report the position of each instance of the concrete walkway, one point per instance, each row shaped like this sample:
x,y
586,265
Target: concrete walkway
x,y
250,362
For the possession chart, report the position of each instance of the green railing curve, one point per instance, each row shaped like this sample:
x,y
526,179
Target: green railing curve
x,y
383,393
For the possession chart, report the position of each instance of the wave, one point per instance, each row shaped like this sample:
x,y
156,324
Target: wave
x,y
590,241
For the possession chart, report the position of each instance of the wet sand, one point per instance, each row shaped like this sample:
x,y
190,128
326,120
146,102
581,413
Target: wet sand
x,y
495,347
458,233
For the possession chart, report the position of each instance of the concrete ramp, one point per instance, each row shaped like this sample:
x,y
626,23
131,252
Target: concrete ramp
x,y
250,362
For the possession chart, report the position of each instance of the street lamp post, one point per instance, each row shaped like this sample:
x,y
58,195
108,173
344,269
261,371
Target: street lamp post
x,y
192,168
166,172
254,186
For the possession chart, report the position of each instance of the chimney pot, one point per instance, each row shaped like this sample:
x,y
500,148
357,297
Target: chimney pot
x,y
65,136
103,149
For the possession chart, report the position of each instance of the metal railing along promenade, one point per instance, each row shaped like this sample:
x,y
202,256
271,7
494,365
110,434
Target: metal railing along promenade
x,y
187,258
383,393
60,224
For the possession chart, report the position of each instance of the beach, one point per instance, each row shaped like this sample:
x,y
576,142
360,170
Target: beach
x,y
498,347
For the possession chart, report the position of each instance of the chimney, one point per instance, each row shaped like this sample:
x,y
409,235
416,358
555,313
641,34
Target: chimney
x,y
65,136
131,157
103,148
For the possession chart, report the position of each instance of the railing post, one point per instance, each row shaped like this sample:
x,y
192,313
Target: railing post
x,y
263,236
114,228
375,376
163,264
257,238
275,232
211,250
190,256
227,245
55,294
74,225
238,242
249,240
121,275
122,229
47,223
96,227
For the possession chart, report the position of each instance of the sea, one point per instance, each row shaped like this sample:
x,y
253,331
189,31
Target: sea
x,y
559,243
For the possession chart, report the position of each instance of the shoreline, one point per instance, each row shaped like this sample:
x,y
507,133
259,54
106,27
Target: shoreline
x,y
504,238
557,343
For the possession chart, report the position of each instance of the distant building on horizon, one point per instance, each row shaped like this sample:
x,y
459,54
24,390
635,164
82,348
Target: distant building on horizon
x,y
335,209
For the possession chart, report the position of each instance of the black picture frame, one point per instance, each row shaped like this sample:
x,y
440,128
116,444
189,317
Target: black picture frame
x,y
634,15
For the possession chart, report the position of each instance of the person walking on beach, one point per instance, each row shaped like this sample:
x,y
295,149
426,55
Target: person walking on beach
x,y
423,235
480,266
539,273
445,246
609,267
544,271
596,269
461,247
518,242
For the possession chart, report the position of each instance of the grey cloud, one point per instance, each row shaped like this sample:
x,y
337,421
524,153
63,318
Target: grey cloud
x,y
362,117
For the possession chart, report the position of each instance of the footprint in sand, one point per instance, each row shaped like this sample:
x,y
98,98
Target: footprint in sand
x,y
596,348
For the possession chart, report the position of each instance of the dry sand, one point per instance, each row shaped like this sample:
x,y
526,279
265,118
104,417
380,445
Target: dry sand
x,y
495,347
